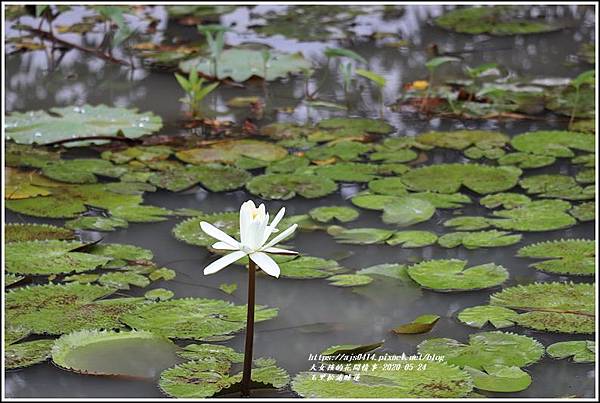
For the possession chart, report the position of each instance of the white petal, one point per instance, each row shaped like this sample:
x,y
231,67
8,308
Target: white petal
x,y
223,262
273,226
265,262
245,214
281,236
280,251
218,234
223,246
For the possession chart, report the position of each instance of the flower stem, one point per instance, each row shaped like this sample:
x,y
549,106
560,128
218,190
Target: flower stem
x,y
247,374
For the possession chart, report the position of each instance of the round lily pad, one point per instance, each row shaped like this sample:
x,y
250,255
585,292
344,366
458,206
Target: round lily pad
x,y
286,186
229,151
553,143
35,232
28,353
479,239
329,213
349,280
461,139
500,378
452,275
363,236
412,239
566,256
189,230
407,211
581,351
388,186
478,316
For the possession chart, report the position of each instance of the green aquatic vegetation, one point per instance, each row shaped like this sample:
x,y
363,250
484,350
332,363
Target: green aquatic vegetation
x,y
500,378
13,334
551,307
189,230
211,353
162,274
26,184
309,267
556,186
407,211
486,348
378,80
10,279
448,178
15,232
580,351
395,271
79,122
585,78
539,215
131,353
345,151
504,200
122,280
586,176
29,353
195,90
288,165
120,251
403,155
286,186
214,177
479,316
479,239
96,223
463,139
50,257
361,236
239,64
193,318
587,51
25,155
351,349
421,324
228,288
84,278
388,186
334,128
584,211
330,213
565,256
229,151
492,20
346,171
370,201
412,239
349,280
553,143
491,153
448,275
144,154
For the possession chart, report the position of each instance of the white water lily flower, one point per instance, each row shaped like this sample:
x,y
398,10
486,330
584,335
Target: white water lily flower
x,y
255,231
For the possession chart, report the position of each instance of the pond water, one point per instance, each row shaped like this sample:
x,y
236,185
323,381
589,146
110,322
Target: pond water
x,y
358,315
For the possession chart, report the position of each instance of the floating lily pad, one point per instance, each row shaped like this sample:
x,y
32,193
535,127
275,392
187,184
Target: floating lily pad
x,y
388,186
335,128
24,155
451,275
351,349
35,232
551,307
349,280
407,211
487,348
10,279
462,139
73,122
479,239
229,151
584,211
553,143
286,186
412,239
162,273
84,278
214,177
28,353
363,236
193,318
505,200
189,230
138,153
81,170
329,213
403,155
96,223
556,186
307,267
228,288
567,256
131,353
396,271
500,378
579,351
346,171
526,160
345,150
448,178
539,215
241,64
49,257
421,324
478,316
21,184
288,165
467,223
122,280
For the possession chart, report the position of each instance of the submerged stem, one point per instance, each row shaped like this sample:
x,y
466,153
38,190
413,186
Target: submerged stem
x,y
247,374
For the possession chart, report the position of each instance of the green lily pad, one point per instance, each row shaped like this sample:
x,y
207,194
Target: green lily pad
x,y
421,324
84,278
403,155
50,257
125,353
479,239
335,128
584,211
553,143
229,151
122,280
10,279
241,64
351,349
228,288
581,351
505,200
162,273
551,307
81,170
214,177
556,186
500,378
329,213
388,186
286,186
73,122
412,239
363,236
189,230
137,153
396,271
349,280
210,353
28,353
526,160
308,267
346,171
24,155
567,256
96,223
462,139
407,211
448,178
444,275
467,223
486,348
193,318
539,215
345,151
35,232
288,165
478,316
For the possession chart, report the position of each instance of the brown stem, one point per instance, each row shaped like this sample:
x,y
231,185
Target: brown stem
x,y
247,374
111,138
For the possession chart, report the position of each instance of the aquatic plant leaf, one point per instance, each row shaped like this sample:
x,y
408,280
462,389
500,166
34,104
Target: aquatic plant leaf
x,y
21,184
396,271
388,186
349,280
24,155
81,170
228,288
308,267
140,213
566,256
287,165
16,232
578,350
28,353
162,273
526,160
467,223
505,200
121,251
189,230
555,186
486,348
448,178
500,378
193,318
403,155
372,201
551,307
10,279
373,126
553,143
566,101
444,275
84,278
125,353
214,177
479,316
211,353
346,171
584,211
122,280
407,211
412,239
230,150
479,239
329,213
539,215
137,153
351,349
49,257
286,186
345,151
96,223
73,122
462,139
363,236
437,380
13,334
422,324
